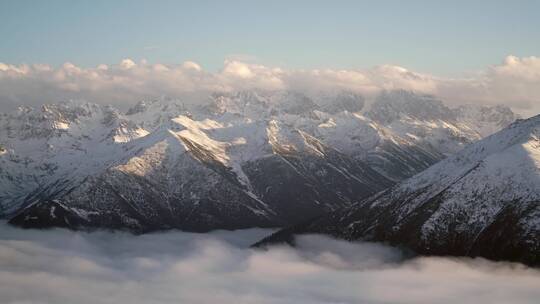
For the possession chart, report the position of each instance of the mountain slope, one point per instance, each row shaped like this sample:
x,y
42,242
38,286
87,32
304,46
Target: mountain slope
x,y
426,120
227,161
188,181
483,201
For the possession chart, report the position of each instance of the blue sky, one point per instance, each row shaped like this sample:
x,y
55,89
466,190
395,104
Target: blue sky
x,y
439,37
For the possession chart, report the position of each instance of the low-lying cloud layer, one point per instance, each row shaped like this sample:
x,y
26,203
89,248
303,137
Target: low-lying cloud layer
x,y
60,266
513,82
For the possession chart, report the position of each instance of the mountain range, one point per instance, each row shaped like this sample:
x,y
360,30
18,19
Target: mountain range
x,y
482,201
226,161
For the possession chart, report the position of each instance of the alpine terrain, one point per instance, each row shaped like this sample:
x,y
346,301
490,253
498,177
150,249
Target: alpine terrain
x,y
233,160
482,201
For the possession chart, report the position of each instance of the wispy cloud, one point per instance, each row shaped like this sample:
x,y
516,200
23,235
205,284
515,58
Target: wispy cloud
x,y
59,266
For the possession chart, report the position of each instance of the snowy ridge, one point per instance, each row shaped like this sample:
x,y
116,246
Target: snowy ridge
x,y
482,201
262,156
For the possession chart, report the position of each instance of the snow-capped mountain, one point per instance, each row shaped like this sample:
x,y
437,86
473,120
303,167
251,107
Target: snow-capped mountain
x,y
231,160
426,119
482,201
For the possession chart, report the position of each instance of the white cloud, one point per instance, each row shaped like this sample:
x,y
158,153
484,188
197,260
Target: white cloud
x,y
238,69
191,65
127,64
514,82
59,266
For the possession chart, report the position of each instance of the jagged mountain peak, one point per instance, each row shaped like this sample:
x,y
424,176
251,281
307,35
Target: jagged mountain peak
x,y
339,101
291,153
390,106
486,119
505,153
163,104
293,102
483,201
519,132
53,120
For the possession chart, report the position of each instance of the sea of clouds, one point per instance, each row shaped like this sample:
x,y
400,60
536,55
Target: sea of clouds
x,y
514,82
60,266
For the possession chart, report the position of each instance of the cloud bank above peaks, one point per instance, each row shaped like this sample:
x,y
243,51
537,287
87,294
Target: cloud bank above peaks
x,y
514,82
